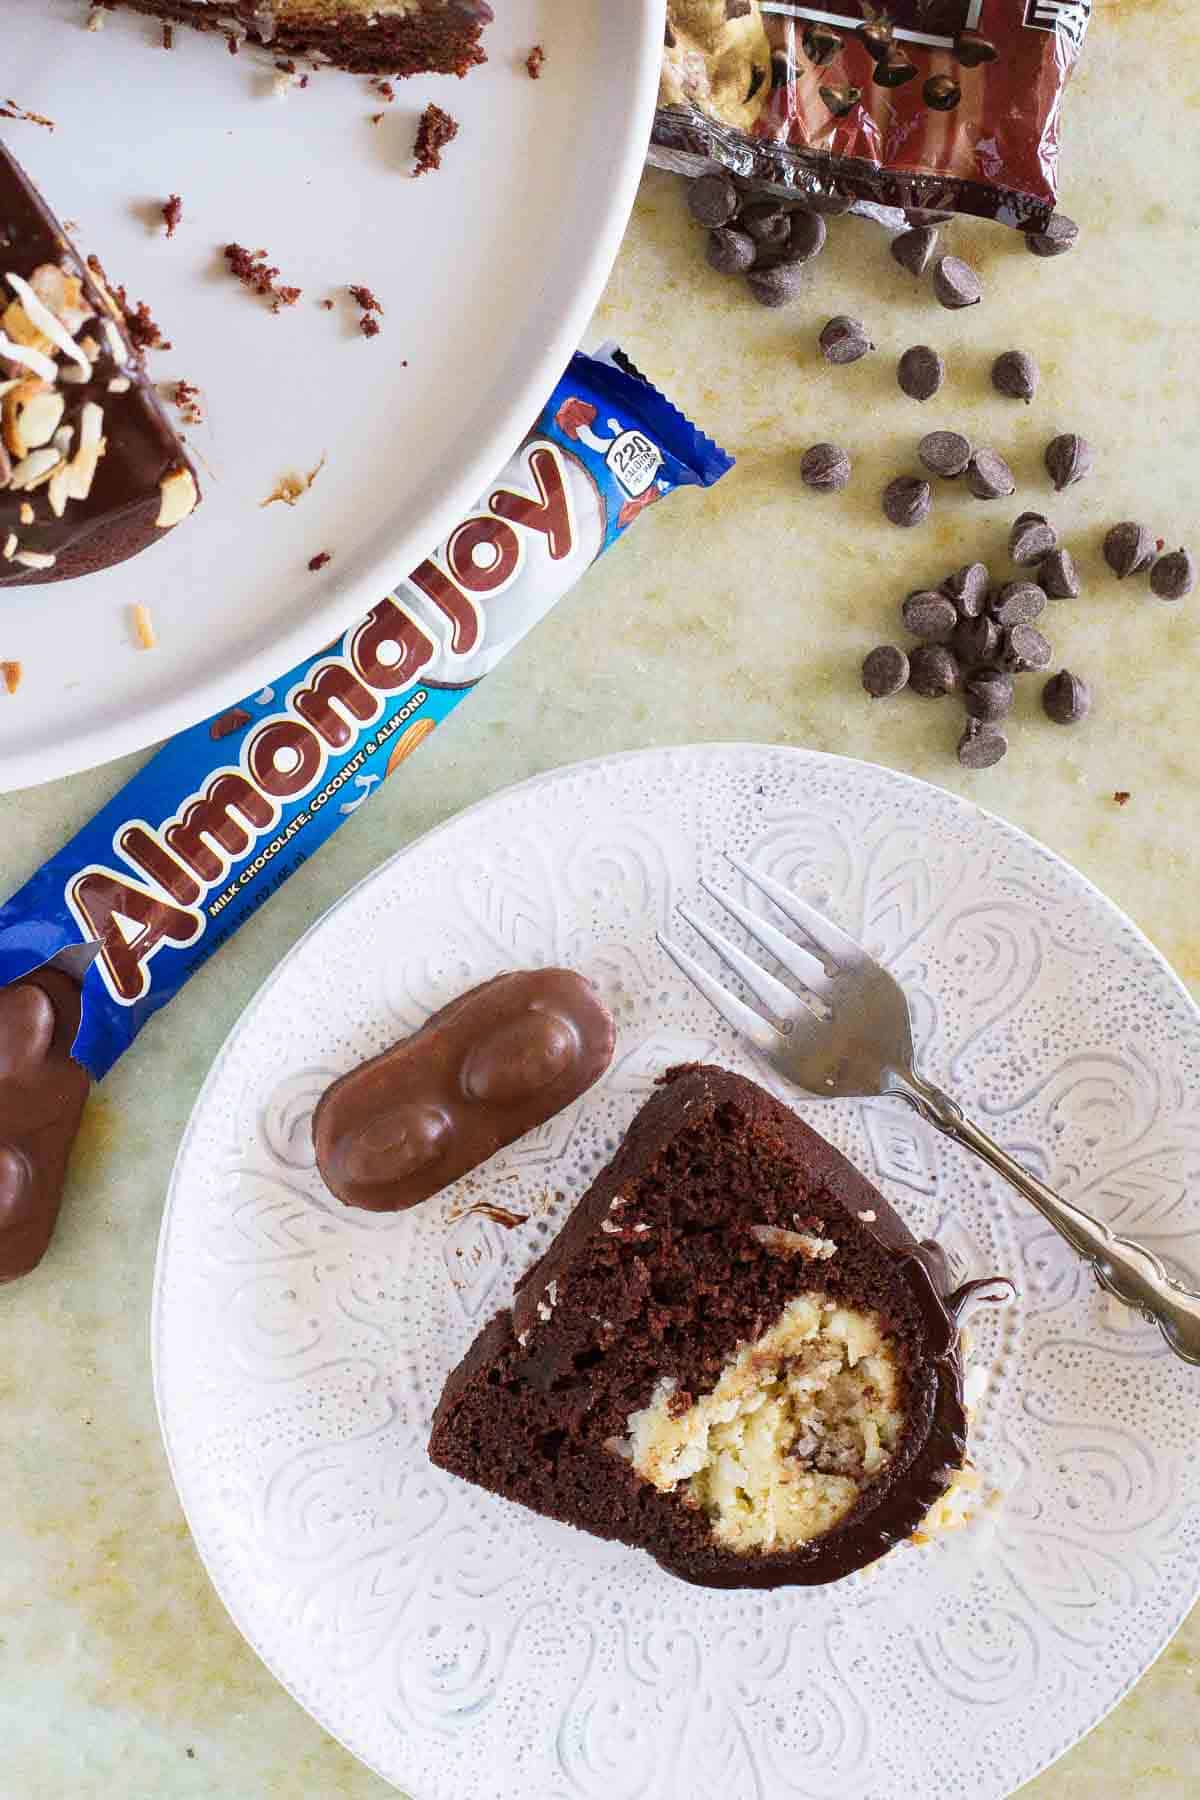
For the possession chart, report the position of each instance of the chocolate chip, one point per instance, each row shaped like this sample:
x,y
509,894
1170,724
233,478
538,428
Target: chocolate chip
x,y
1129,549
1068,459
844,340
945,453
877,35
914,249
1066,698
884,671
989,476
941,93
907,500
968,588
894,68
777,285
930,615
825,467
712,200
972,49
920,372
927,215
840,99
981,746
806,237
933,671
988,694
1016,375
730,252
1018,603
1174,575
821,44
832,204
766,223
1058,576
1024,648
1059,236
977,640
955,283
1031,540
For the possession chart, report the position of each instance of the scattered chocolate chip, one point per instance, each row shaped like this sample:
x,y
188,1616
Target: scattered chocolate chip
x,y
1059,576
766,223
1066,698
877,35
1018,603
730,252
832,204
1015,374
435,129
933,671
914,249
989,476
1129,549
981,746
930,615
942,93
1122,796
172,212
894,68
777,285
807,232
884,671
907,500
1174,575
977,640
945,453
972,49
844,340
955,283
1031,540
1068,459
1025,648
840,99
988,694
1059,236
821,44
968,588
825,467
712,200
920,372
927,215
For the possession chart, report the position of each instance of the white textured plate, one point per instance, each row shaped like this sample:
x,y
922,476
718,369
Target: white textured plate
x,y
464,1647
488,271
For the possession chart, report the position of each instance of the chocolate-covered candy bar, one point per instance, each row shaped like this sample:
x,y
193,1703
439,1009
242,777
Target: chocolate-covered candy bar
x,y
42,1095
493,1064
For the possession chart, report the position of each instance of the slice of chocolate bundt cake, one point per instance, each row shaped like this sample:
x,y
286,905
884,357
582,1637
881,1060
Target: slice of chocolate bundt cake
x,y
734,1355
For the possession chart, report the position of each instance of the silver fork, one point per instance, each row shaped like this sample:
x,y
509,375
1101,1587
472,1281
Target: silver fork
x,y
848,1032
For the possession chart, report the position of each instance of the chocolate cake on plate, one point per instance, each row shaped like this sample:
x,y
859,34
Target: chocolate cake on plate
x,y
734,1355
388,37
91,468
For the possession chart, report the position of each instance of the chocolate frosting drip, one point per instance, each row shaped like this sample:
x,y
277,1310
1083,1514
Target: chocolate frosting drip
x,y
42,1096
118,515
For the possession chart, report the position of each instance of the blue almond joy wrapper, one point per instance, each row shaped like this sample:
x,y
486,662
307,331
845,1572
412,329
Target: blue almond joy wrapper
x,y
226,811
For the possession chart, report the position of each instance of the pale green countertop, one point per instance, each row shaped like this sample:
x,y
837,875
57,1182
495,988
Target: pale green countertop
x,y
740,614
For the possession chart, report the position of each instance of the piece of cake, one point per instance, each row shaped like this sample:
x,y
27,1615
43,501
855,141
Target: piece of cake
x,y
387,37
734,1355
91,468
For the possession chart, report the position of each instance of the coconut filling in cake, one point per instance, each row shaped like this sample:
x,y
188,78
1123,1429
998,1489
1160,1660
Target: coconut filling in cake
x,y
800,1421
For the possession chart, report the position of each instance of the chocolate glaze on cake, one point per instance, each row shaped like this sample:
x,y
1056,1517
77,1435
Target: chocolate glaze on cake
x,y
719,1209
389,37
91,469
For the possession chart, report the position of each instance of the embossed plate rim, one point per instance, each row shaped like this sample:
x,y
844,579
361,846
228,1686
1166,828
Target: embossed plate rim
x,y
980,820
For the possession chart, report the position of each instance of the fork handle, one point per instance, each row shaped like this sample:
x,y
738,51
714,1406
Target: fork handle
x,y
1126,1269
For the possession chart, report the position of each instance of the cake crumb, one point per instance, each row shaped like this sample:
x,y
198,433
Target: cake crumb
x,y
325,305
534,61
257,276
369,325
375,118
385,90
289,488
362,297
434,132
168,35
1122,796
319,560
12,672
186,397
172,213
143,627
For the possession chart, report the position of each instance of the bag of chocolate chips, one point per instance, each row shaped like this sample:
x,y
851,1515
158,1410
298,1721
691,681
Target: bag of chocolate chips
x,y
927,105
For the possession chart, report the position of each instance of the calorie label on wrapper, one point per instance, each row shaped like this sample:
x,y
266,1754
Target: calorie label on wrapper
x,y
225,812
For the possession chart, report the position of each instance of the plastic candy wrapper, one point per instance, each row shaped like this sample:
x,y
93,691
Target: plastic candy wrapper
x,y
112,926
931,105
